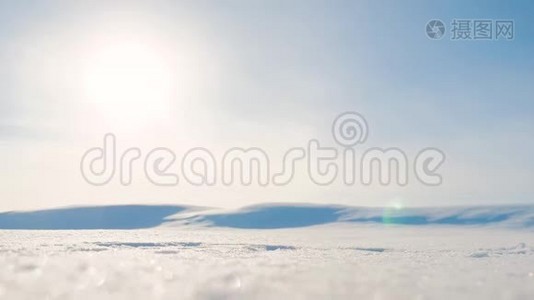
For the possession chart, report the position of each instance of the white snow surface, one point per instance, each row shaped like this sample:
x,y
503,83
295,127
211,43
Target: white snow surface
x,y
327,261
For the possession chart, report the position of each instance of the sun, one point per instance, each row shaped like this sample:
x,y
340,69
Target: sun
x,y
128,83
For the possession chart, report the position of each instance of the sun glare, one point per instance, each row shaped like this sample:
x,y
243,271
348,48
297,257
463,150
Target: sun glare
x,y
128,83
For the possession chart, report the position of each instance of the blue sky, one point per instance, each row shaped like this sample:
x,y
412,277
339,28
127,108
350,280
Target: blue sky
x,y
271,74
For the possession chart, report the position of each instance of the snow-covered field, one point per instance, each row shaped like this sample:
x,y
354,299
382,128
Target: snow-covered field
x,y
329,259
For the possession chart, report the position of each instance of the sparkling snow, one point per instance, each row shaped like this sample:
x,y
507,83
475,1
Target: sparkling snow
x,y
339,260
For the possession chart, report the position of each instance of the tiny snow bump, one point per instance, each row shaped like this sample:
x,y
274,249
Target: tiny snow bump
x,y
167,252
269,247
479,254
278,247
378,250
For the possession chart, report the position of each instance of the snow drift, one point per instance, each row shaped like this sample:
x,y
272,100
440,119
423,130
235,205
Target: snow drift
x,y
265,216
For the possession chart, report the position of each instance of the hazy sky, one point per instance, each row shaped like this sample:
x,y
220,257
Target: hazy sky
x,y
269,74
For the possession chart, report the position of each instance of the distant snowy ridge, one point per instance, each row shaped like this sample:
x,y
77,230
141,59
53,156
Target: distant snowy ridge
x,y
265,216
271,216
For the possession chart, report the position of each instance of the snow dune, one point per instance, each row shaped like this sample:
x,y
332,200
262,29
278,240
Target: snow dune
x,y
272,216
95,217
265,216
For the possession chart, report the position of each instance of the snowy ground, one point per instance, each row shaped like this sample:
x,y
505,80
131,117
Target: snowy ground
x,y
333,260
